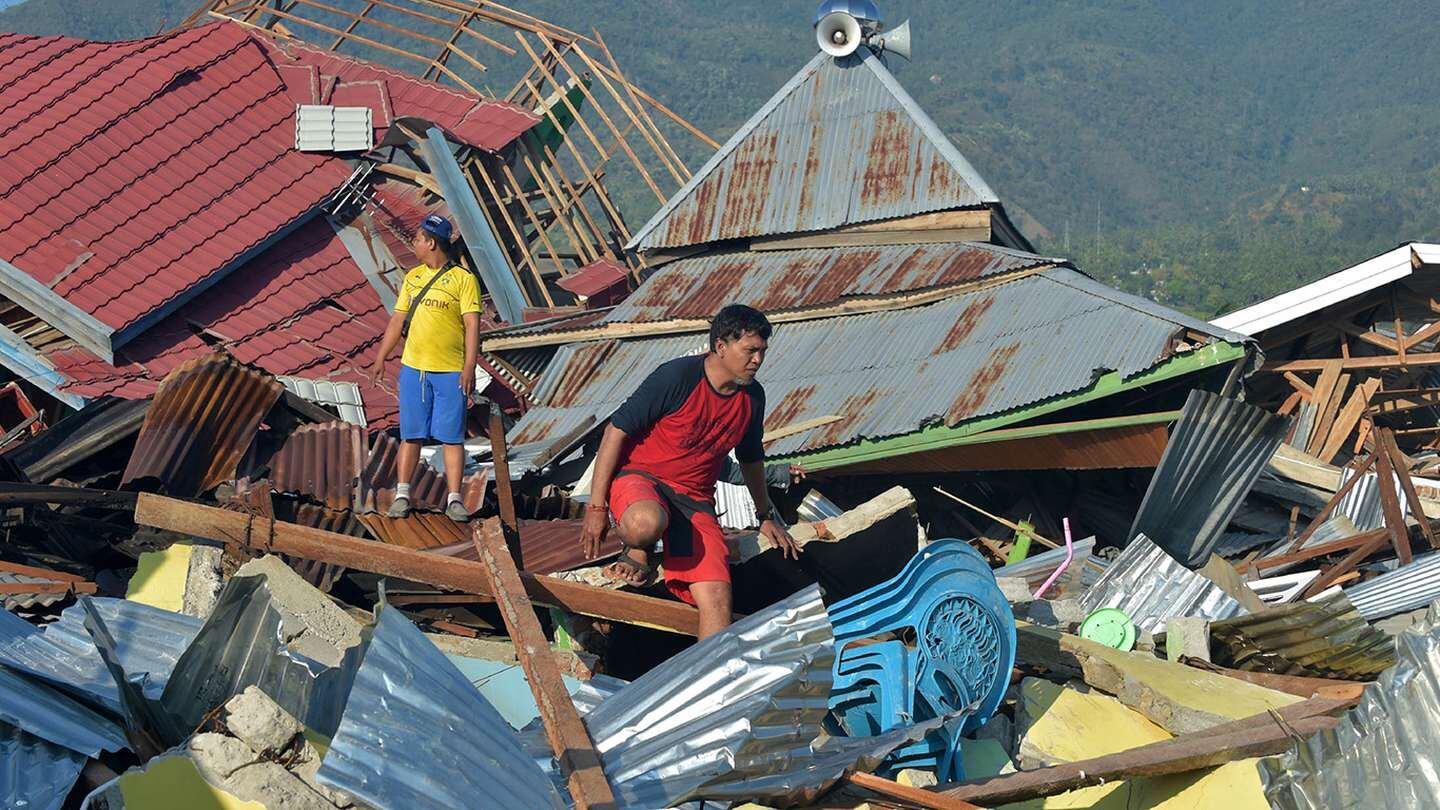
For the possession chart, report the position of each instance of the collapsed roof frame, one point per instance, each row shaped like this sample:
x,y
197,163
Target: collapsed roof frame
x,y
545,195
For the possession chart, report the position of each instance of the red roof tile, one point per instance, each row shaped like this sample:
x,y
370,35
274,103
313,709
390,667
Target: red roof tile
x,y
302,308
136,171
481,122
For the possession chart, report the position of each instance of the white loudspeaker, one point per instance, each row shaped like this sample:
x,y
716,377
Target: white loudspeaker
x,y
838,34
896,41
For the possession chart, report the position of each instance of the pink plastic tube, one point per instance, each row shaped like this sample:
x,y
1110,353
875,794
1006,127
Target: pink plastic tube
x,y
1069,555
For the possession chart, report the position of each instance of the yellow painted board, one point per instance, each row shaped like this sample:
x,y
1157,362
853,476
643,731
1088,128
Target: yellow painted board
x,y
159,579
172,783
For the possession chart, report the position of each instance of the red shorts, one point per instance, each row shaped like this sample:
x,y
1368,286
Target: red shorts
x,y
710,561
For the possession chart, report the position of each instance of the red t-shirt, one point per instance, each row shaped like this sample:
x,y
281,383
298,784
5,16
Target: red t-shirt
x,y
681,429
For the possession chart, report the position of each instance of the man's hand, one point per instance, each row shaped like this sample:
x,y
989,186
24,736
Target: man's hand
x,y
593,530
797,474
781,538
467,383
377,371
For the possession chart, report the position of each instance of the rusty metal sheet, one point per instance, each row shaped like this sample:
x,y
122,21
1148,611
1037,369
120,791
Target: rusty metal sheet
x,y
891,373
322,461
792,279
199,424
1326,639
427,487
840,143
421,530
547,546
1132,446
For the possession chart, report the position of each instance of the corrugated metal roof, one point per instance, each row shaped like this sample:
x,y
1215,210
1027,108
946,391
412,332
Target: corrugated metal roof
x,y
1325,639
322,461
1037,568
389,752
199,425
546,546
428,489
1406,588
81,435
1371,274
35,774
890,373
344,397
840,143
1152,587
1385,752
147,167
1216,451
793,279
17,601
486,123
50,715
150,641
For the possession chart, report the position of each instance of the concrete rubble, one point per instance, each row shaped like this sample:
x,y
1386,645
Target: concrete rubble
x,y
1059,546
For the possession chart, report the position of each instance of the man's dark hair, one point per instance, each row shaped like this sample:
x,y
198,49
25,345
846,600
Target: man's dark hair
x,y
736,321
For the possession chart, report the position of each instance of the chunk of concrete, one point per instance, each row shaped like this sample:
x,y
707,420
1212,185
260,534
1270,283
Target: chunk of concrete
x,y
316,626
1187,636
307,767
917,777
273,786
259,722
1015,589
1058,613
205,580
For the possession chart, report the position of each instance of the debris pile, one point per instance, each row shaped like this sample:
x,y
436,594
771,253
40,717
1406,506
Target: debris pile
x,y
1056,544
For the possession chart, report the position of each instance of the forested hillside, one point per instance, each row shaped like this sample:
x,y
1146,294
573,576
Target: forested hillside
x,y
1205,154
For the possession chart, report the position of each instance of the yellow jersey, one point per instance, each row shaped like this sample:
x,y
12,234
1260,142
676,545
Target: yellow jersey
x,y
436,341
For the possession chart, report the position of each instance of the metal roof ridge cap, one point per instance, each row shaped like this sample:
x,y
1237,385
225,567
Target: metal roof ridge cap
x,y
725,150
929,128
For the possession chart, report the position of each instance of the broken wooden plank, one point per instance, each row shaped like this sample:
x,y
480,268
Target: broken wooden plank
x,y
1324,513
1222,573
798,427
920,797
1326,410
1386,438
1299,685
1002,521
1320,550
1390,502
1324,390
502,486
569,739
1348,419
261,533
1261,734
1354,363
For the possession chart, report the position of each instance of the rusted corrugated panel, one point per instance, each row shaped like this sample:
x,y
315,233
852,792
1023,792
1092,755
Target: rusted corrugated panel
x,y
199,425
1102,449
1328,639
892,373
840,143
547,546
427,487
419,530
322,461
792,279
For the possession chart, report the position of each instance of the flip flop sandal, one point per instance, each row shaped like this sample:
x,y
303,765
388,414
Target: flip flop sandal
x,y
646,572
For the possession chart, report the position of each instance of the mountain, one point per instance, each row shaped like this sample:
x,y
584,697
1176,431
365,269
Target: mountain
x,y
1162,144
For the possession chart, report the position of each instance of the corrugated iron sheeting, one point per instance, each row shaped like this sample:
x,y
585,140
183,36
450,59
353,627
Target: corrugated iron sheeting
x,y
1385,752
840,143
890,373
387,752
427,486
1216,451
28,600
1326,639
791,279
1037,568
199,425
421,530
1408,587
741,707
323,461
35,774
150,641
244,643
50,715
98,426
547,546
1152,587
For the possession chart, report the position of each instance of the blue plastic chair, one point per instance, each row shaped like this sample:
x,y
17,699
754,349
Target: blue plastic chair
x,y
946,646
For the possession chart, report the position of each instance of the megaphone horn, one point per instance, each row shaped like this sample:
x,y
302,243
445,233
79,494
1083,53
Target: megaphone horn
x,y
896,41
838,34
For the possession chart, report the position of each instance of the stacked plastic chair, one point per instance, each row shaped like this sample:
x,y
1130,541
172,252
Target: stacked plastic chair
x,y
939,641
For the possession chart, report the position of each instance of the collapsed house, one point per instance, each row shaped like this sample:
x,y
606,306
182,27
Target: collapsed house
x,y
200,244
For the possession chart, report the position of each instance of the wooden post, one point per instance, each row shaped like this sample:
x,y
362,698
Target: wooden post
x,y
1390,503
263,534
1407,485
569,739
502,486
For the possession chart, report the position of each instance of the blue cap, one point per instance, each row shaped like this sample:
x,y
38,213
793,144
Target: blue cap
x,y
437,226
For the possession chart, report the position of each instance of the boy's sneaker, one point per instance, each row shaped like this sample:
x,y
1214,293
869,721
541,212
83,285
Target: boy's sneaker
x,y
455,510
399,508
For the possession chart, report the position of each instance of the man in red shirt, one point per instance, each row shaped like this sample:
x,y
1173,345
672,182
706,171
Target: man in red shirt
x,y
662,453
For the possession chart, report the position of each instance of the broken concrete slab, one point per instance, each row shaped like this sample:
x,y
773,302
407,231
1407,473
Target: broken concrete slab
x,y
916,777
1015,589
1178,698
204,581
259,722
1058,613
315,626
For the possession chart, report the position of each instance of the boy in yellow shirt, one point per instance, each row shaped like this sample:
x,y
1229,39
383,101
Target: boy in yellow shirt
x,y
441,305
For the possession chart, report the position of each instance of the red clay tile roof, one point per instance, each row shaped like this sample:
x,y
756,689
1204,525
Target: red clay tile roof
x,y
301,308
136,171
481,122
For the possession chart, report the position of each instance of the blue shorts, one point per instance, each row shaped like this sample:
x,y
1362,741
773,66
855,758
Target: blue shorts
x,y
432,406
